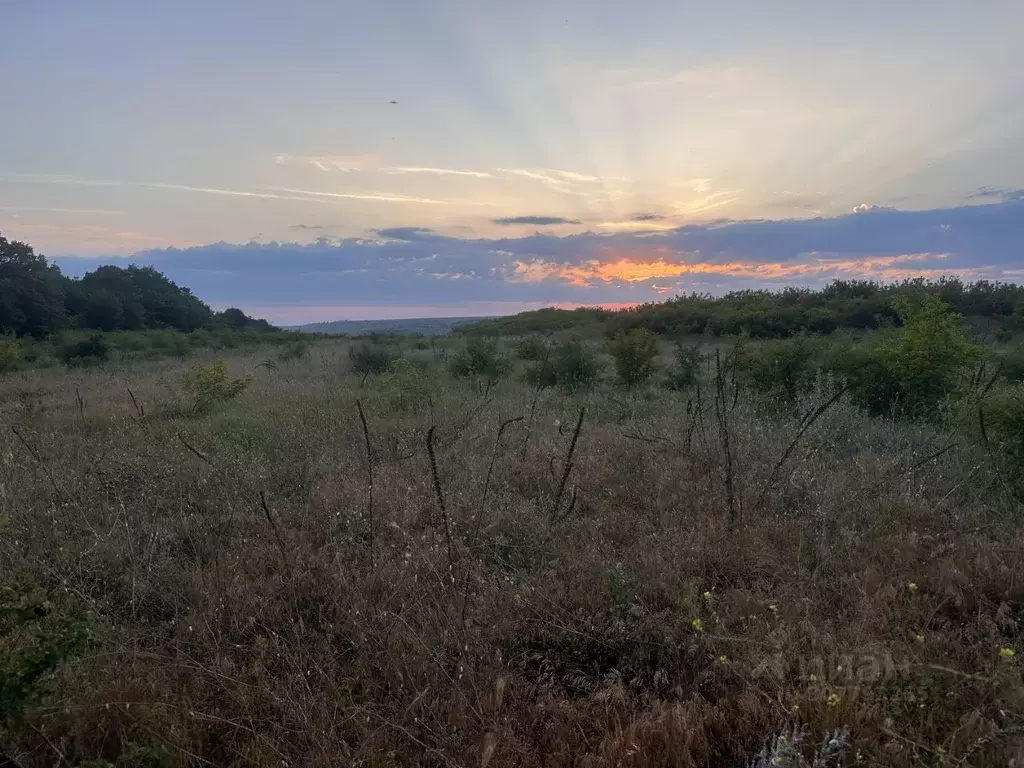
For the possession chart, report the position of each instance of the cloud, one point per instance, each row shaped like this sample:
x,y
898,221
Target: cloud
x,y
646,217
270,193
566,182
382,197
408,234
865,208
342,163
83,211
1000,193
440,172
419,267
306,226
536,220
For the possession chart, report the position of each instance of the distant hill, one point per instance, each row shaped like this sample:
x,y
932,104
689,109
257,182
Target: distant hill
x,y
424,326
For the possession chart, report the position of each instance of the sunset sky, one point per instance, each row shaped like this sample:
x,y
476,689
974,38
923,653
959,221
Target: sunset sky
x,y
538,153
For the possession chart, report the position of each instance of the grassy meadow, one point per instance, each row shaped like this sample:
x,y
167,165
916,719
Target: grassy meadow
x,y
345,555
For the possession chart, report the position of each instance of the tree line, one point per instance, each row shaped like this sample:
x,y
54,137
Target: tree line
x,y
763,314
37,299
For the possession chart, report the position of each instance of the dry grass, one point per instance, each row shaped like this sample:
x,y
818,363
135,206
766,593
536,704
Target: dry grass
x,y
245,612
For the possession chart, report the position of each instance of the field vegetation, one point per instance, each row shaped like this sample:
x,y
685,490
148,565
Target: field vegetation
x,y
550,547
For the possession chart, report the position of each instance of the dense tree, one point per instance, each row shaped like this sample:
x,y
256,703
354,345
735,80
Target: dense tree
x,y
36,299
31,291
843,304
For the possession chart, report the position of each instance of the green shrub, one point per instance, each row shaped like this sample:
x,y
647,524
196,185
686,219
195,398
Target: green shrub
x,y
531,348
634,353
93,349
479,358
406,383
786,366
1012,365
36,639
872,386
210,383
369,358
927,356
572,366
1004,416
10,355
686,370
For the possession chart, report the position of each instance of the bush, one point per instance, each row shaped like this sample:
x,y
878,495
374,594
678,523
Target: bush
x,y
788,366
10,354
686,371
479,357
37,639
634,353
927,356
1004,417
406,383
572,366
531,348
210,383
93,349
368,358
871,384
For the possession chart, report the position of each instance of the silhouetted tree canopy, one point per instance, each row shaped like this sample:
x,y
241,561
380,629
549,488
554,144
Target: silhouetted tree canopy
x,y
36,299
843,304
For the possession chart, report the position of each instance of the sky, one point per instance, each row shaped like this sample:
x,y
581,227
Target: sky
x,y
326,159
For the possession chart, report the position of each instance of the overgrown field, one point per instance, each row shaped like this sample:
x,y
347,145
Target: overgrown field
x,y
527,554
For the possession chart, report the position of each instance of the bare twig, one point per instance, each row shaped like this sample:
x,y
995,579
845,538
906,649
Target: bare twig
x,y
369,473
140,410
285,560
440,496
806,423
566,469
722,415
80,402
42,465
536,394
196,451
490,470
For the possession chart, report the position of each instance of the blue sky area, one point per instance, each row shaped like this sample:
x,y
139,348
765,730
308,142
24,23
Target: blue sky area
x,y
315,160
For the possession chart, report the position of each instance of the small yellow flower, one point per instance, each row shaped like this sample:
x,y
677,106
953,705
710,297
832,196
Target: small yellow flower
x,y
795,708
773,608
912,588
919,639
697,624
1007,653
723,659
832,700
813,678
708,596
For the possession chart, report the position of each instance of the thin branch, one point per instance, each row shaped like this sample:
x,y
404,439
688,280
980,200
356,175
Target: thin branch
x,y
806,423
286,562
566,469
369,472
440,496
42,465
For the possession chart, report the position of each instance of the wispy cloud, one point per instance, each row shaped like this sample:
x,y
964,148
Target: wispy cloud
x,y
381,197
396,171
83,211
341,163
998,193
646,217
536,220
567,182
